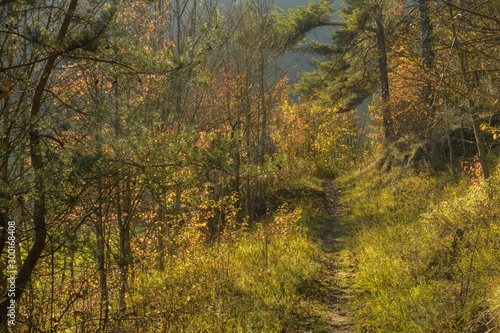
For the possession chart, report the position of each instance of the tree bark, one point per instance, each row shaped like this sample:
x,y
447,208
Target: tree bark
x,y
123,240
101,267
451,153
480,145
35,147
160,246
471,108
263,137
427,55
383,74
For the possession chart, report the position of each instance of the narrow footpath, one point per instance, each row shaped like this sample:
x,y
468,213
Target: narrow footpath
x,y
324,307
339,270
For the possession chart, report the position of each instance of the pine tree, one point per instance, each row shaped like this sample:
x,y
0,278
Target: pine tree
x,y
349,75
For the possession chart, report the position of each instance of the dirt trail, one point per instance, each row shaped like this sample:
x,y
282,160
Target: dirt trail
x,y
339,271
324,305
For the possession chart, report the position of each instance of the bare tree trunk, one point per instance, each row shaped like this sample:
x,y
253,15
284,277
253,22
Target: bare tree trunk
x,y
123,248
480,145
237,167
160,246
72,263
263,136
101,267
450,147
427,54
122,266
383,74
469,84
248,120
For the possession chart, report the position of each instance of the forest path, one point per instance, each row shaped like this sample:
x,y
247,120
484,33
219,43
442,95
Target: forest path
x,y
339,270
324,306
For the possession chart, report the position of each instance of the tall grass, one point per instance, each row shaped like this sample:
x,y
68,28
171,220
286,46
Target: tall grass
x,y
427,252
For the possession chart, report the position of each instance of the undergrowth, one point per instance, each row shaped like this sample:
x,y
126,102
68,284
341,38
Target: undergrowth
x,y
250,281
427,251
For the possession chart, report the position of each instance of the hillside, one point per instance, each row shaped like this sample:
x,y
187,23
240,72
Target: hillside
x,y
425,249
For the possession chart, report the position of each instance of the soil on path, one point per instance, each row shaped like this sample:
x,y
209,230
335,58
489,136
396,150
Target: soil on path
x,y
339,269
325,305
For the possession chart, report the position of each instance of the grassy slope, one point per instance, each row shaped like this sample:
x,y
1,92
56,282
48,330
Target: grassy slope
x,y
426,251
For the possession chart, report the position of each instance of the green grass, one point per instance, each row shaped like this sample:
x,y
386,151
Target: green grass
x,y
427,251
269,277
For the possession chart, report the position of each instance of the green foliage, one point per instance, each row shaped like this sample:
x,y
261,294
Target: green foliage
x,y
427,251
298,22
346,78
166,135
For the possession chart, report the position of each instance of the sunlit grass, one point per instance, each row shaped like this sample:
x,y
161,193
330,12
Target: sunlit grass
x,y
427,251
